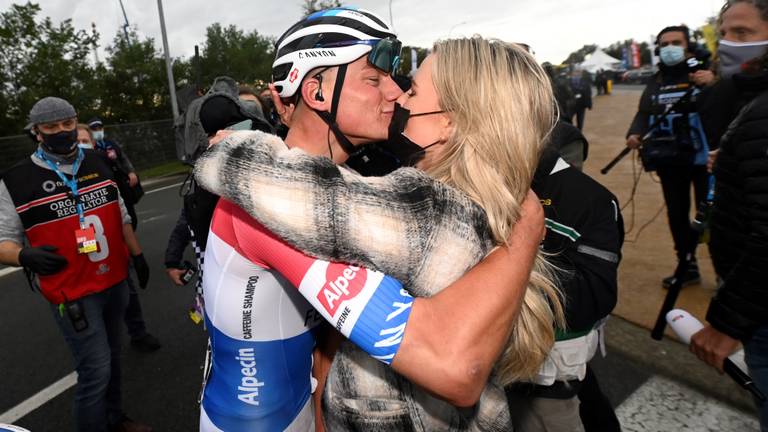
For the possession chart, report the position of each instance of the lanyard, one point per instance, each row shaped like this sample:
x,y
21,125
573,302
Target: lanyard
x,y
71,183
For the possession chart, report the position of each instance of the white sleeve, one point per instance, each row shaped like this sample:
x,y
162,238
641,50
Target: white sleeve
x,y
11,228
123,210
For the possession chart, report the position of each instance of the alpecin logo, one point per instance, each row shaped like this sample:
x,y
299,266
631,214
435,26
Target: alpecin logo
x,y
343,282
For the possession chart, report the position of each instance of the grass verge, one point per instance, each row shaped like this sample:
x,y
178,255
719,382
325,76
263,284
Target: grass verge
x,y
166,169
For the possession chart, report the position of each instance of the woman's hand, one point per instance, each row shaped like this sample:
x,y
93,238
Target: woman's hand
x,y
219,137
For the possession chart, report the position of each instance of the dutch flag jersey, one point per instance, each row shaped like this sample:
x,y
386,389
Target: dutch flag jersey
x,y
261,326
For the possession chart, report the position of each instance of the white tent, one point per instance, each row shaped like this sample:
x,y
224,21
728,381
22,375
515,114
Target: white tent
x,y
600,60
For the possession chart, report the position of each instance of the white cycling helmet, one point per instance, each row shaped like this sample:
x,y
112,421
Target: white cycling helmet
x,y
332,37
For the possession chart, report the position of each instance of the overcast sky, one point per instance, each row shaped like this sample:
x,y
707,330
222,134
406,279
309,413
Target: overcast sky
x,y
554,28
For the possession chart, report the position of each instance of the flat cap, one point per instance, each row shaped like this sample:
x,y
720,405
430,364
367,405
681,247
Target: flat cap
x,y
51,109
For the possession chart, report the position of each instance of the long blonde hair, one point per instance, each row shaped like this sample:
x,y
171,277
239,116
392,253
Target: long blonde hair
x,y
503,109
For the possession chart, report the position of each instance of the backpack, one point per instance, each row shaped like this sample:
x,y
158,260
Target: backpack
x,y
218,109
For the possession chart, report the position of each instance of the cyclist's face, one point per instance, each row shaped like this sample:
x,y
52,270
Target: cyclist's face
x,y
366,102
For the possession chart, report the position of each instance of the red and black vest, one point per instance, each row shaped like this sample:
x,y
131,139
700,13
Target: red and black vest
x,y
47,211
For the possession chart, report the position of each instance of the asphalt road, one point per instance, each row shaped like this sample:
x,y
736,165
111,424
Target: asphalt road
x,y
161,388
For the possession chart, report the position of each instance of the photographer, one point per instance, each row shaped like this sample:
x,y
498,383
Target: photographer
x,y
677,145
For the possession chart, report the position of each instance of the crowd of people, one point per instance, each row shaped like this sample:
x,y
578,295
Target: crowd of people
x,y
345,217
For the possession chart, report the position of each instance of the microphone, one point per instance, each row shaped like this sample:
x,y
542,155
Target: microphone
x,y
686,325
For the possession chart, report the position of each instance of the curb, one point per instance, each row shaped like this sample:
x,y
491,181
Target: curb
x,y
671,359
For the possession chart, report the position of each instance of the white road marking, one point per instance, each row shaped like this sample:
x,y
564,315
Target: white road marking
x,y
62,385
662,405
9,270
153,218
40,398
163,188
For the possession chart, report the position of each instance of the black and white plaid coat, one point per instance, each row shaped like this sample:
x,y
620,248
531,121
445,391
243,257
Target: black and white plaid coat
x,y
406,224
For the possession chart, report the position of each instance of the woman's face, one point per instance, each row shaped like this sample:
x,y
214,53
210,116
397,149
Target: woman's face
x,y
428,129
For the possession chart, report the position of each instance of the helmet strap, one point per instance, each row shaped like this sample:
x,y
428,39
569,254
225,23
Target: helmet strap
x,y
330,117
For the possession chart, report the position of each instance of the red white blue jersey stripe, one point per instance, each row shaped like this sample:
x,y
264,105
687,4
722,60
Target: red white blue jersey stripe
x,y
260,325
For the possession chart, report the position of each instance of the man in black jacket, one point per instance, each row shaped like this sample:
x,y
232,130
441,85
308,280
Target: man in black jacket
x,y
127,180
739,224
585,232
581,86
679,142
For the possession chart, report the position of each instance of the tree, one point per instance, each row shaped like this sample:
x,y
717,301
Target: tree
x,y
246,57
406,59
615,50
311,6
132,86
38,59
578,56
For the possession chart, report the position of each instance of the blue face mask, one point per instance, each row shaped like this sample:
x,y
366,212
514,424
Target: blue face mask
x,y
671,55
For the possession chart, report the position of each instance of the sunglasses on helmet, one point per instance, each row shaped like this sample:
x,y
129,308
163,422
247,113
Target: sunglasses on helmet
x,y
384,55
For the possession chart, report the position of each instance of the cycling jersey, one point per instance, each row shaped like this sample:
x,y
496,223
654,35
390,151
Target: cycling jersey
x,y
260,325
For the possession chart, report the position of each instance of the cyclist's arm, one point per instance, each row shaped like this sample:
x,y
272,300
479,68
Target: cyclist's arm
x,y
449,341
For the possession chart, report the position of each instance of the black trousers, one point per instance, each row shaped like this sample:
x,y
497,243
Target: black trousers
x,y
596,411
134,317
676,185
579,114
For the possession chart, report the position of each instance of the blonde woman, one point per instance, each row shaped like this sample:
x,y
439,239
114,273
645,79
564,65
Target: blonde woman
x,y
475,122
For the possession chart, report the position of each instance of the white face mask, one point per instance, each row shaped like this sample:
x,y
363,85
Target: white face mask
x,y
734,54
98,135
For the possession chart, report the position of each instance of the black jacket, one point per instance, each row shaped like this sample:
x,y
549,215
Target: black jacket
x,y
739,224
178,241
582,92
705,103
584,232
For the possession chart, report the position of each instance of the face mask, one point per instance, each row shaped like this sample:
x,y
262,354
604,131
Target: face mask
x,y
733,54
85,146
60,143
98,135
408,152
671,55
